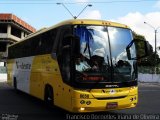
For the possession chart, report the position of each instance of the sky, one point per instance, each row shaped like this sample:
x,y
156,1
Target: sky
x,y
45,13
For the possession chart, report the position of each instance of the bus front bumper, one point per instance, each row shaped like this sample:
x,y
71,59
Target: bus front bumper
x,y
94,105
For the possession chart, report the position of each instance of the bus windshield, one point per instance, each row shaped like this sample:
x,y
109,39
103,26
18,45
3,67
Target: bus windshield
x,y
103,55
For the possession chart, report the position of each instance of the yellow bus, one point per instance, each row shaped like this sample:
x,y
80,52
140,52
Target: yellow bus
x,y
79,65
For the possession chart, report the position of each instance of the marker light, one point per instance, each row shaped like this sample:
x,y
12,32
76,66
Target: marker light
x,y
88,102
82,102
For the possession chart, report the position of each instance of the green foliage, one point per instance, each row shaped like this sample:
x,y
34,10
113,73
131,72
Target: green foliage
x,y
150,60
138,36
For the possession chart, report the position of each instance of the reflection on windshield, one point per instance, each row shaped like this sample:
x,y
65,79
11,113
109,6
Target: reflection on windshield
x,y
103,54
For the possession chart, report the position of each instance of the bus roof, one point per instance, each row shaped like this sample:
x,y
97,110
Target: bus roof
x,y
75,22
93,22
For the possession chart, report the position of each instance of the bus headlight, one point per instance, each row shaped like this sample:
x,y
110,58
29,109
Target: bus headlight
x,y
82,109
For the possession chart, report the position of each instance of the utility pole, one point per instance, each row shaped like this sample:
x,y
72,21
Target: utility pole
x,y
155,33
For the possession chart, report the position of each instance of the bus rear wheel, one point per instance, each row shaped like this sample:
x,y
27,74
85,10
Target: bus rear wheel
x,y
48,97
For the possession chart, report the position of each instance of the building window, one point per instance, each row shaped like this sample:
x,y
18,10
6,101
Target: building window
x,y
3,28
16,32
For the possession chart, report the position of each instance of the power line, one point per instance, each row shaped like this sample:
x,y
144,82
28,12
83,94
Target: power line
x,y
94,2
75,17
113,1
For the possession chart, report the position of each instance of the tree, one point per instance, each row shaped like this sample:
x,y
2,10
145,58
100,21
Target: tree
x,y
138,36
149,60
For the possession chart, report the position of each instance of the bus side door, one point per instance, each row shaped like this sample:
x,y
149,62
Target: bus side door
x,y
64,58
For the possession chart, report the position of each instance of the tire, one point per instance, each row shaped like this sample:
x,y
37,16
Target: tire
x,y
49,97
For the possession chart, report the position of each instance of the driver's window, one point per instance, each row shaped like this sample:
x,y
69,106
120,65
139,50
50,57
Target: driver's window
x,y
64,54
65,66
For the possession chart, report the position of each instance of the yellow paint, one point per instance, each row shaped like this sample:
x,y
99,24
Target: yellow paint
x,y
45,70
10,71
101,104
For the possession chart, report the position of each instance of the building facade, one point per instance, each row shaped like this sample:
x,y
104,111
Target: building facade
x,y
12,29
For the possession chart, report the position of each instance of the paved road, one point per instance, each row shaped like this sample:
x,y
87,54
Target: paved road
x,y
25,107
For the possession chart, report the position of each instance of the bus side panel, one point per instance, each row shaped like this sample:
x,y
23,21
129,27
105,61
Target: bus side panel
x,y
22,71
36,83
33,73
19,70
10,71
45,70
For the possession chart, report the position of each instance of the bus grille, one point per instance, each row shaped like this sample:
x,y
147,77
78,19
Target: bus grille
x,y
109,98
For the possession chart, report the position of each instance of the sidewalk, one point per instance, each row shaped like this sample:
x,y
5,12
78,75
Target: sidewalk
x,y
152,84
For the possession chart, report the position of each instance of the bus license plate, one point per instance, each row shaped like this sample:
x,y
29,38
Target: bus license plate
x,y
112,105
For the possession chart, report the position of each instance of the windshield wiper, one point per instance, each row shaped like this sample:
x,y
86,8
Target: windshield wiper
x,y
110,51
89,51
108,61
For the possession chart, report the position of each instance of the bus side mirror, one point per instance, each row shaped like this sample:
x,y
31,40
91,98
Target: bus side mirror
x,y
142,49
